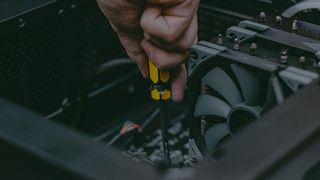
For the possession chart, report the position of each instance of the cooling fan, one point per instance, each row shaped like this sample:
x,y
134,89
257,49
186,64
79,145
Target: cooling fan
x,y
230,90
236,109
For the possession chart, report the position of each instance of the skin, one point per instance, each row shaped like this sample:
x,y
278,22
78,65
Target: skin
x,y
162,30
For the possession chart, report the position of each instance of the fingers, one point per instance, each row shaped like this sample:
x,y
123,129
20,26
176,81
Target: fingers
x,y
182,44
169,29
172,29
168,24
135,52
178,83
161,30
166,57
161,58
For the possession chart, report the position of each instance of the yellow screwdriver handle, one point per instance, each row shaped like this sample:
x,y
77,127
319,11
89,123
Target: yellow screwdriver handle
x,y
160,79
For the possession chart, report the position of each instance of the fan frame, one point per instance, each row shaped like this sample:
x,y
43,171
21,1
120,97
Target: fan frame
x,y
204,56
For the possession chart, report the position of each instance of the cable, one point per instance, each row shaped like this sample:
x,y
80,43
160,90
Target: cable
x,y
126,128
154,113
112,64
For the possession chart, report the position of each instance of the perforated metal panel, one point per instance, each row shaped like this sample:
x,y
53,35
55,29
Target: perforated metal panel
x,y
50,52
30,67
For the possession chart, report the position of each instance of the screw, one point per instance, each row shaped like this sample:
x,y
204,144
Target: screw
x,y
73,7
61,13
278,21
262,17
236,45
284,58
295,27
65,103
253,49
220,40
22,23
302,62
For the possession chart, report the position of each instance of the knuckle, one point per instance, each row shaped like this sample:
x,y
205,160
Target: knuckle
x,y
170,36
143,22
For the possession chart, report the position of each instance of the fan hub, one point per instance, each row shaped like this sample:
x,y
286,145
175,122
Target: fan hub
x,y
242,116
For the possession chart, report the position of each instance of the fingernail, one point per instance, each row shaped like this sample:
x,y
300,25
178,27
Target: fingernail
x,y
145,74
177,96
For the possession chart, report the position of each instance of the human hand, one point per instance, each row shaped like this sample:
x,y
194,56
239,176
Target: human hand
x,y
162,30
124,17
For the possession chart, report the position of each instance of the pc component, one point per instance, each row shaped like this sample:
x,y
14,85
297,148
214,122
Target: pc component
x,y
285,144
230,90
262,61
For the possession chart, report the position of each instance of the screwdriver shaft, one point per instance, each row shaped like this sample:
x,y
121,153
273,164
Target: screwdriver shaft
x,y
164,129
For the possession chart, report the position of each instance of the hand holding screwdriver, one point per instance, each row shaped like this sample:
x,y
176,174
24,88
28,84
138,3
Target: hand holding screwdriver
x,y
161,30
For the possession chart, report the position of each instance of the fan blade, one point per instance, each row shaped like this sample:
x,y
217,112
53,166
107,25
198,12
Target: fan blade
x,y
210,105
219,80
214,135
250,84
270,99
241,117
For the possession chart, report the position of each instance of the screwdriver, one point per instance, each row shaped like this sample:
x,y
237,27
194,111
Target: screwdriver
x,y
160,91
